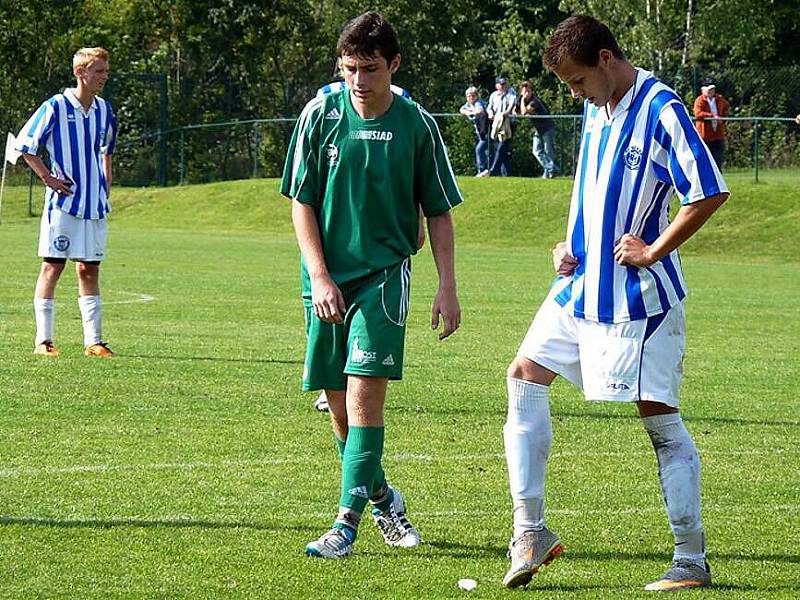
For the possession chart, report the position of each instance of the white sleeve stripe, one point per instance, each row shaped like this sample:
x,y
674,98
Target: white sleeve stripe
x,y
298,159
424,113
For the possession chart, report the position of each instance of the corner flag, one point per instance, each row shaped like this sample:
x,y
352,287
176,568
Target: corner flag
x,y
11,156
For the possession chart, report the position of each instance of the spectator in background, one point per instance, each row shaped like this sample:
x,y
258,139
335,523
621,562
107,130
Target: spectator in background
x,y
708,106
544,138
475,110
501,105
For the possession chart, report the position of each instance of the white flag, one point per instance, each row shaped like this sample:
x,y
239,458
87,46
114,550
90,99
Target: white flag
x,y
12,154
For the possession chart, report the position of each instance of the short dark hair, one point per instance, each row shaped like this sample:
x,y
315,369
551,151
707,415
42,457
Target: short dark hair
x,y
580,38
367,35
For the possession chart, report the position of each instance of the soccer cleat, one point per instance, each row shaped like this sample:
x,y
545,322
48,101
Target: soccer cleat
x,y
100,349
394,524
683,574
46,348
321,403
336,543
528,553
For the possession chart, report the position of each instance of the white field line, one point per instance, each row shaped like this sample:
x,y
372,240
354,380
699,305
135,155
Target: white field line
x,y
613,511
296,460
140,298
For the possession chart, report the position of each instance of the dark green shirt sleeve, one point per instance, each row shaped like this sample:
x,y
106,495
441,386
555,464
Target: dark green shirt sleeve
x,y
435,186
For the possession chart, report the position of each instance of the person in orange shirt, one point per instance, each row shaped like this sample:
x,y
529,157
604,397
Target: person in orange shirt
x,y
708,107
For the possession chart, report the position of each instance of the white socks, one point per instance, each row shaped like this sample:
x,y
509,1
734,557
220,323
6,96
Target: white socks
x,y
528,437
44,310
679,472
91,314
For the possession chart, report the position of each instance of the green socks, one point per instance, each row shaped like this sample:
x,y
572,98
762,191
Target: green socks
x,y
362,475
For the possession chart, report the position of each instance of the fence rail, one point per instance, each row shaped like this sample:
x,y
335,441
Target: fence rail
x,y
240,149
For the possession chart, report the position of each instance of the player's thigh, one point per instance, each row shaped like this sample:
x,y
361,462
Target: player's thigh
x,y
552,342
376,324
326,352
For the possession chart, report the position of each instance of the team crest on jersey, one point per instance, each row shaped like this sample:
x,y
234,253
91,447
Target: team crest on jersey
x,y
332,152
633,157
61,243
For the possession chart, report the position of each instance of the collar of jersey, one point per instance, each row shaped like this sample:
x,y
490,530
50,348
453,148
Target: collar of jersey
x,y
69,94
348,103
630,95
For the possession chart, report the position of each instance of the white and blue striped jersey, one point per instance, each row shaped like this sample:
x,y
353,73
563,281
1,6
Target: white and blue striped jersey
x,y
630,163
338,86
75,140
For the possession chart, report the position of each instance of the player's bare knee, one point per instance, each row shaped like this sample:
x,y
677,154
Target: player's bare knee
x,y
87,271
51,270
527,370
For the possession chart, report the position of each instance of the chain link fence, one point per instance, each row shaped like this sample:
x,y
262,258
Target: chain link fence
x,y
257,148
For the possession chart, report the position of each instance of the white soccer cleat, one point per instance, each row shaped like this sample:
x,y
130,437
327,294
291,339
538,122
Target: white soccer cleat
x,y
528,553
321,403
394,524
682,575
335,543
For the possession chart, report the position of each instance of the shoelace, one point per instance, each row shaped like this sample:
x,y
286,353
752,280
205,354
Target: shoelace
x,y
335,539
392,524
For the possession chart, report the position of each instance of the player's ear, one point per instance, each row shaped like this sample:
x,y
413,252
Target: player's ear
x,y
394,64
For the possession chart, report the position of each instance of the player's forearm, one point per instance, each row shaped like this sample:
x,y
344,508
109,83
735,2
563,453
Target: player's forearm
x,y
107,171
689,219
306,229
37,166
442,237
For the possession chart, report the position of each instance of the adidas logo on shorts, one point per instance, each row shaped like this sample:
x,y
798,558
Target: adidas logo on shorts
x,y
388,361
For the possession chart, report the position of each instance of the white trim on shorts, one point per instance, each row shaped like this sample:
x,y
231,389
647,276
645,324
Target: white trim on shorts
x,y
621,362
63,236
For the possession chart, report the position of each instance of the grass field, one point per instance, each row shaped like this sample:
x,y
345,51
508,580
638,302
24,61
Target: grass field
x,y
191,466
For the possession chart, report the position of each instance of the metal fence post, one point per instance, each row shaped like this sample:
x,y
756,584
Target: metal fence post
x,y
30,195
162,166
574,157
181,166
755,149
257,145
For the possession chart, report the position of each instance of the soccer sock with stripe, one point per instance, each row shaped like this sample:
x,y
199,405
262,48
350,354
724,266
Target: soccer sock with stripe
x,y
91,314
44,310
528,437
679,473
361,466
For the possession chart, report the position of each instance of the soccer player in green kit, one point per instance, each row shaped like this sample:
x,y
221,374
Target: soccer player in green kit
x,y
360,165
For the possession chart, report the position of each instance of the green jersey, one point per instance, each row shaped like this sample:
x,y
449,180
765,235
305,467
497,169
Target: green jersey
x,y
367,179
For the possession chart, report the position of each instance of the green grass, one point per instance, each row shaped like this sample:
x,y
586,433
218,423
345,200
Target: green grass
x,y
190,466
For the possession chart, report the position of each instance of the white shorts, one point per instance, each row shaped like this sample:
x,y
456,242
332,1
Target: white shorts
x,y
63,236
623,362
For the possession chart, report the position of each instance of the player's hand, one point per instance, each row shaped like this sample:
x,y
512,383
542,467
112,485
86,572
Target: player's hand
x,y
62,186
446,306
328,300
563,262
632,251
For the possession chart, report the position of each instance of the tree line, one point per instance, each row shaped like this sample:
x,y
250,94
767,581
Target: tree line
x,y
243,59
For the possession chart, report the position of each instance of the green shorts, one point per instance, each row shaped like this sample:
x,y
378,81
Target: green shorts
x,y
370,342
